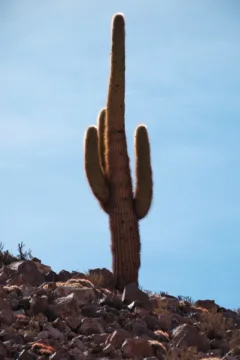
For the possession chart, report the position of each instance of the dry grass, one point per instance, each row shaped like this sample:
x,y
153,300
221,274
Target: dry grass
x,y
214,324
162,308
235,341
75,283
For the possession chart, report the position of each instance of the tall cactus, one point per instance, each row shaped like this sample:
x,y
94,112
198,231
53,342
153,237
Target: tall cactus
x,y
108,171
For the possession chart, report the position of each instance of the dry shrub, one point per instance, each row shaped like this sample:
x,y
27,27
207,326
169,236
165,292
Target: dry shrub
x,y
7,258
162,308
214,324
186,299
75,283
235,342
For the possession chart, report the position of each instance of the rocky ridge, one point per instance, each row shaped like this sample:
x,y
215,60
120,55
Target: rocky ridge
x,y
76,316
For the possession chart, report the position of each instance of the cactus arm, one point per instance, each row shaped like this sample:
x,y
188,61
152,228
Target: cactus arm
x,y
101,124
93,170
143,172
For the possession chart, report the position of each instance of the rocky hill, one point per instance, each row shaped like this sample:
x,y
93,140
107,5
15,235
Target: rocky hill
x,y
76,316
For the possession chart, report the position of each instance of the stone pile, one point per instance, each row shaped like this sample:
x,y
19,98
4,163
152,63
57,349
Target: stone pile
x,y
76,316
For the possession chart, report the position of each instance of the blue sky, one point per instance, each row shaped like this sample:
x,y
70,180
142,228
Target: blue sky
x,y
182,81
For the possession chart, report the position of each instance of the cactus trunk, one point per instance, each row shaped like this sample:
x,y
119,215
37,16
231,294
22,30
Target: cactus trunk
x,y
110,179
125,237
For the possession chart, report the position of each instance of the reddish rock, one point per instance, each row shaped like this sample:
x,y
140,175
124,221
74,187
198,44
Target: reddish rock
x,y
64,275
188,335
92,326
118,337
25,272
102,278
66,306
7,316
132,293
206,304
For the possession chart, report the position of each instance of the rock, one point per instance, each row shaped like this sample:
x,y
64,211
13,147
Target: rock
x,y
7,316
59,324
112,300
165,321
102,278
229,357
92,326
82,295
89,310
187,335
74,322
98,339
6,335
117,338
43,269
4,305
51,276
137,348
26,355
3,351
153,323
54,332
60,355
206,304
64,275
77,343
66,306
168,303
25,272
161,336
38,304
3,277
132,293
24,303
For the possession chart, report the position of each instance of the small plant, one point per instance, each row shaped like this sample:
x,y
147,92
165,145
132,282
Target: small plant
x,y
24,255
162,308
235,342
148,292
7,258
163,293
187,299
214,324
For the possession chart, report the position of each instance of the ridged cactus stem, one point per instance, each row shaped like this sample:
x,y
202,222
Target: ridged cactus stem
x,y
108,169
125,237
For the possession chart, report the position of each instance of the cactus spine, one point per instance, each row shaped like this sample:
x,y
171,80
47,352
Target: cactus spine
x,y
108,171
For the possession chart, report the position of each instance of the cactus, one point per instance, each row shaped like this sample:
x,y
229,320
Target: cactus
x,y
108,171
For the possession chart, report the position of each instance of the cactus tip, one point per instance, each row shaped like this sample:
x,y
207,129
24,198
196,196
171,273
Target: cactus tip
x,y
118,19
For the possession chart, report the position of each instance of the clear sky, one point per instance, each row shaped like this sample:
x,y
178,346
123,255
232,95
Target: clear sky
x,y
182,81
